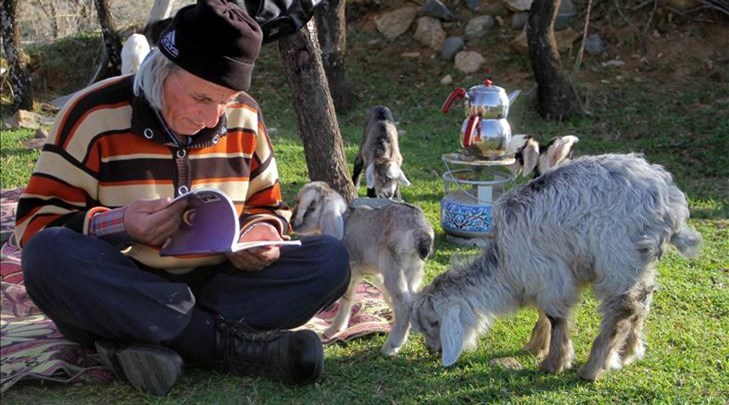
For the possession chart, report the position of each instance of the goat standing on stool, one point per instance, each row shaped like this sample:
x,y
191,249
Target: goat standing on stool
x,y
391,243
379,155
597,220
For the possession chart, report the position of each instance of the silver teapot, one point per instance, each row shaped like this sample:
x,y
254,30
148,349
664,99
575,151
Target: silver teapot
x,y
485,138
486,100
485,128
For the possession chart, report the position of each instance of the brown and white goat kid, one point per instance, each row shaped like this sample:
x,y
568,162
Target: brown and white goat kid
x,y
379,155
600,221
390,243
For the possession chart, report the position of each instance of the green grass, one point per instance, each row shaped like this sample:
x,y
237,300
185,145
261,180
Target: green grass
x,y
674,124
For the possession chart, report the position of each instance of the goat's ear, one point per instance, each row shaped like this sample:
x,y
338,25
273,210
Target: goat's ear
x,y
451,335
331,221
558,151
403,180
530,155
370,175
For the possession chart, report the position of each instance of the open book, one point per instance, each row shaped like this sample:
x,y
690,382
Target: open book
x,y
210,225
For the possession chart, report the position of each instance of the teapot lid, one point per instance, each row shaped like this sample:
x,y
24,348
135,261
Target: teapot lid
x,y
488,86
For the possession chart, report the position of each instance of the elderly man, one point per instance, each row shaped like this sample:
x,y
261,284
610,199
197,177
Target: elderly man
x,y
97,210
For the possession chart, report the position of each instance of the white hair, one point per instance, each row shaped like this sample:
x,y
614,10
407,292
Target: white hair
x,y
150,78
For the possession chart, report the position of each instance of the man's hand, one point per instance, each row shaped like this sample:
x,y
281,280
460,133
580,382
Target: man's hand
x,y
153,221
256,258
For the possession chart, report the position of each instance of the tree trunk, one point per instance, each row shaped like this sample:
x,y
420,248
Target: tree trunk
x,y
161,9
84,13
54,20
556,98
318,126
112,42
332,32
19,78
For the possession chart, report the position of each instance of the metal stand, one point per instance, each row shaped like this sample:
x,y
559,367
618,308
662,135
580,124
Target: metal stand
x,y
466,210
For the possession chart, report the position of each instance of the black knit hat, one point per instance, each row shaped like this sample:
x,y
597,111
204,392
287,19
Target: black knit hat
x,y
215,40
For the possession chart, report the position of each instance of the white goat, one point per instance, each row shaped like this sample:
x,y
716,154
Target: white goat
x,y
391,243
602,221
379,155
533,156
133,53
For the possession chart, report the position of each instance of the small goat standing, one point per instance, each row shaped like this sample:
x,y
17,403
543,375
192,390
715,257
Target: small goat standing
x,y
390,242
379,155
597,220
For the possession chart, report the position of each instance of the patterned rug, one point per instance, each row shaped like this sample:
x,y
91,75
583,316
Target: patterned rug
x,y
32,347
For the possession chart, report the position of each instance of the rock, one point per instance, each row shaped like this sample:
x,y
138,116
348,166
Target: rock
x,y
41,136
519,20
473,5
594,45
429,32
565,15
451,46
508,363
447,79
394,23
410,54
682,5
24,119
436,9
469,61
518,5
476,27
614,62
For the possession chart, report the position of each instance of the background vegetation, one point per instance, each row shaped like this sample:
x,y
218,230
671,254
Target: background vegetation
x,y
674,111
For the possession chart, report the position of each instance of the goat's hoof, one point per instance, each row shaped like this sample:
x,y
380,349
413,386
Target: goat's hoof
x,y
554,367
330,331
390,350
538,352
590,373
614,361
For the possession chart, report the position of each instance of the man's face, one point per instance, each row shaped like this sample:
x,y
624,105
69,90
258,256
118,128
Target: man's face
x,y
192,103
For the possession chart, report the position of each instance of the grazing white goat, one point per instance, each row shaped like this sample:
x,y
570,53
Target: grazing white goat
x,y
133,52
391,243
379,155
600,221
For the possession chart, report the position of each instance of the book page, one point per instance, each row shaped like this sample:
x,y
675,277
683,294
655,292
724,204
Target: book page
x,y
259,243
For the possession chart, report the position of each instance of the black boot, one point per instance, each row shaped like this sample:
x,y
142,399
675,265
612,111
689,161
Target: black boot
x,y
293,357
155,369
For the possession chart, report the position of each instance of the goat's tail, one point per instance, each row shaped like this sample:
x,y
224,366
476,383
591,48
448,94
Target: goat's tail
x,y
688,241
423,244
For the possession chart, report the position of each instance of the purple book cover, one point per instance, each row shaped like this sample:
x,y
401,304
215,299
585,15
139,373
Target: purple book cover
x,y
209,225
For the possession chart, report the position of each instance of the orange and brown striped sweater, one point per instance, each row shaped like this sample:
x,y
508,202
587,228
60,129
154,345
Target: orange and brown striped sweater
x,y
108,148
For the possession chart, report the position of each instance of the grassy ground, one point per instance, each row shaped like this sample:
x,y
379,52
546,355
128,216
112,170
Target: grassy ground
x,y
677,123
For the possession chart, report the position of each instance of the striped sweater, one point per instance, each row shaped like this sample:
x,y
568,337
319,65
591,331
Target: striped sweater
x,y
108,148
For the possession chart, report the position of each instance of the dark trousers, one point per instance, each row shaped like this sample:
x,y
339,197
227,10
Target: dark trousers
x,y
91,290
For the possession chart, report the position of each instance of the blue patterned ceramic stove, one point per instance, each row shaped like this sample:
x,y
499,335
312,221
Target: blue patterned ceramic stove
x,y
470,191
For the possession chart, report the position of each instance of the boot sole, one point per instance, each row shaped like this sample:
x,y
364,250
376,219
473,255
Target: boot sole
x,y
154,369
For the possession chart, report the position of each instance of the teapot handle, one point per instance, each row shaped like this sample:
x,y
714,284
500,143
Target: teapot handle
x,y
471,127
457,92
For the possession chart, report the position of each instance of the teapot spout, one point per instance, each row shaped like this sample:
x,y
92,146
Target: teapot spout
x,y
513,95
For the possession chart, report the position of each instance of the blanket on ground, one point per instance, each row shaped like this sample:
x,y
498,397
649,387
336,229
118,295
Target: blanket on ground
x,y
32,348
